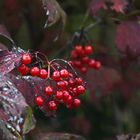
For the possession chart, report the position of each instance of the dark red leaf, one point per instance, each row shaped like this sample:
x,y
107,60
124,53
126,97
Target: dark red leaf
x,y
102,81
14,111
53,11
9,60
128,38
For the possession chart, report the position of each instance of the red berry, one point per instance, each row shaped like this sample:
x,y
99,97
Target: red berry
x,y
21,68
49,90
39,101
52,105
26,59
64,73
25,72
80,89
76,103
74,54
68,100
35,71
65,95
61,84
97,65
56,76
91,63
85,59
83,70
79,81
88,50
74,92
59,95
71,82
43,74
79,49
77,63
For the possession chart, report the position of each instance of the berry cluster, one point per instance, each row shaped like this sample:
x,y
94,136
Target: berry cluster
x,y
65,90
34,71
80,58
64,85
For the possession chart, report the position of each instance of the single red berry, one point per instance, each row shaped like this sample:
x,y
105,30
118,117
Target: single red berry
x,y
39,101
71,82
61,84
77,63
52,105
59,95
56,76
65,95
49,90
43,74
88,50
79,81
97,65
76,103
91,63
64,73
21,68
83,70
79,49
26,59
25,71
74,92
35,71
85,59
66,83
80,89
68,100
74,54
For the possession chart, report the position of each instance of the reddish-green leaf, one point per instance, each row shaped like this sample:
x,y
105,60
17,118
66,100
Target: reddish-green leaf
x,y
128,38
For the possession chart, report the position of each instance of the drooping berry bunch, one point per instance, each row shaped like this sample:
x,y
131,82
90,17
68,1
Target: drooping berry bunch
x,y
80,58
63,86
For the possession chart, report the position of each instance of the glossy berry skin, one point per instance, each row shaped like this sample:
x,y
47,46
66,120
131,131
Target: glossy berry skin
x,y
68,100
43,74
25,72
65,95
56,76
64,73
49,90
76,103
35,71
71,82
74,54
21,68
97,65
79,49
61,84
88,50
83,70
80,89
79,81
39,101
26,59
91,63
52,105
85,59
59,95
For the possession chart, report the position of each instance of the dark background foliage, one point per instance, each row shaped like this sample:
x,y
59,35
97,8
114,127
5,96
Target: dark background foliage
x,y
111,105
